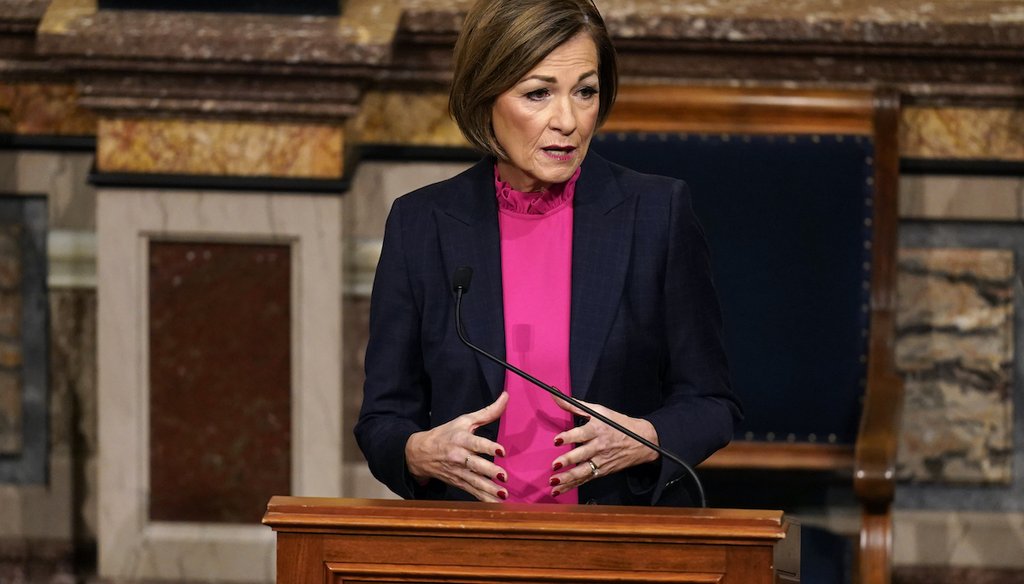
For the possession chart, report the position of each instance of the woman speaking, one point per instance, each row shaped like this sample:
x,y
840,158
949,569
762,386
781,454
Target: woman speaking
x,y
589,276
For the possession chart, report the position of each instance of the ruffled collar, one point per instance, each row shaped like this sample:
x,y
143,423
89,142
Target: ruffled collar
x,y
535,203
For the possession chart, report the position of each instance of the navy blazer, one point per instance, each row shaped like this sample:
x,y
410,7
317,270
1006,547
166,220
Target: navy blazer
x,y
645,325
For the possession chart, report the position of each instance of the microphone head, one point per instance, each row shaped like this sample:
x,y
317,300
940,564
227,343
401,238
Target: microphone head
x,y
462,278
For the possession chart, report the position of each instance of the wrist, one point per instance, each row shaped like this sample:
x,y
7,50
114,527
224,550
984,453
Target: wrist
x,y
648,431
412,448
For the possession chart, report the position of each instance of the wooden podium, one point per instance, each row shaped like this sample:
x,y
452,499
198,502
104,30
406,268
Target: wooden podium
x,y
357,541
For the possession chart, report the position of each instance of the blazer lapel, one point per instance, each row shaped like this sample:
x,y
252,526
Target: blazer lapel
x,y
602,240
468,230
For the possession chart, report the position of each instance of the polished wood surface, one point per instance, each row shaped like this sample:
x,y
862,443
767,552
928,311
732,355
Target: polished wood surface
x,y
878,437
783,456
780,110
741,110
361,540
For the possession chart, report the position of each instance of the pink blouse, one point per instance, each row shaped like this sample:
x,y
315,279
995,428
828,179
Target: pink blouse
x,y
536,272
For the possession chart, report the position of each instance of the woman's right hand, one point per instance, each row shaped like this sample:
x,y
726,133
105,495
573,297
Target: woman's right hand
x,y
451,453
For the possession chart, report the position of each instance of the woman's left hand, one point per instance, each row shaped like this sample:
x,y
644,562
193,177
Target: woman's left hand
x,y
596,442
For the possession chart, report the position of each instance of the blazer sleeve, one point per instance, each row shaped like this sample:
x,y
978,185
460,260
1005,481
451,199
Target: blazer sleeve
x,y
396,394
698,409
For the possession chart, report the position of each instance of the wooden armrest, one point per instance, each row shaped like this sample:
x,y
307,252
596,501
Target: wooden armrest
x,y
782,456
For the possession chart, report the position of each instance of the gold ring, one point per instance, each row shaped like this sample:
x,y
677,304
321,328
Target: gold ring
x,y
466,462
593,468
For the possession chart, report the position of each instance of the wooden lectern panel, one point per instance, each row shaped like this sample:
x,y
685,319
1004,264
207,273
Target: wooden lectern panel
x,y
355,541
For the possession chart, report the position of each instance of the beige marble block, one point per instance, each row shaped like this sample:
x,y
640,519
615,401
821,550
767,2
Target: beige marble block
x,y
967,198
61,176
413,118
130,545
219,148
995,133
955,348
958,538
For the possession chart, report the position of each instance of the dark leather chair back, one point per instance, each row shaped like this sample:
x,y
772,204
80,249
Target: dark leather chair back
x,y
788,221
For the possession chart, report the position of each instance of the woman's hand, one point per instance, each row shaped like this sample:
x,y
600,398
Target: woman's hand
x,y
450,453
596,442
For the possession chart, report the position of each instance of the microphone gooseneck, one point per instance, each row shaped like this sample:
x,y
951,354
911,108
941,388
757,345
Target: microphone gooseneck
x,y
460,285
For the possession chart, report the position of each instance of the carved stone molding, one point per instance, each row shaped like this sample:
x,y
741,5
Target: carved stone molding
x,y
194,65
318,67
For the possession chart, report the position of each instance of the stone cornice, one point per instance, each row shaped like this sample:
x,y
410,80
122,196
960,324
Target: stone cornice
x,y
938,51
938,23
247,66
361,37
317,68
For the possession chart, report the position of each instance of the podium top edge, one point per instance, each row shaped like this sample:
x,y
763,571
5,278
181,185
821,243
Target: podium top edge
x,y
326,514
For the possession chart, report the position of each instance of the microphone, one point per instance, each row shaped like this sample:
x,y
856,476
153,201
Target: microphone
x,y
460,285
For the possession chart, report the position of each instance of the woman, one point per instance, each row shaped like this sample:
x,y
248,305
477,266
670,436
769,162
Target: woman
x,y
589,276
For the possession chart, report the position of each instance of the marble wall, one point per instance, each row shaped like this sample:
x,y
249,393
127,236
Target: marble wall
x,y
11,417
970,198
52,514
990,133
50,109
23,339
955,349
207,147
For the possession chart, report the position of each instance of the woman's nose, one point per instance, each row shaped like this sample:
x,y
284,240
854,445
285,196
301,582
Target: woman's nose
x,y
563,118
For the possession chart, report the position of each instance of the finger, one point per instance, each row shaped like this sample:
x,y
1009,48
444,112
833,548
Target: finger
x,y
490,412
577,435
576,456
481,445
483,488
565,405
571,479
484,467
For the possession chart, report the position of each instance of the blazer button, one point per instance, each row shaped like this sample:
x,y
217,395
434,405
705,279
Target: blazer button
x,y
592,502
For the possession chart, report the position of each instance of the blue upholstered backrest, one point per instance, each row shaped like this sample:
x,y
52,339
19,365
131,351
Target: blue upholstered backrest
x,y
788,220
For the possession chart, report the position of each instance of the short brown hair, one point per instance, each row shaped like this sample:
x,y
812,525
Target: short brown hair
x,y
502,40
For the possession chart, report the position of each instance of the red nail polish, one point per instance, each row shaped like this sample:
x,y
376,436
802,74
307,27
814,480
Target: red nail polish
x,y
554,493
558,441
501,477
499,452
556,466
554,482
502,495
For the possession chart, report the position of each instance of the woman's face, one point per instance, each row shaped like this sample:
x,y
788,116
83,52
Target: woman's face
x,y
545,121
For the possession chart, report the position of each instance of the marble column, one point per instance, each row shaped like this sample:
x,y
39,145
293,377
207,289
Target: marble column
x,y
195,433
219,238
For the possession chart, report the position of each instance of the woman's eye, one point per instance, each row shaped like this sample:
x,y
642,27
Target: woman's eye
x,y
537,94
587,92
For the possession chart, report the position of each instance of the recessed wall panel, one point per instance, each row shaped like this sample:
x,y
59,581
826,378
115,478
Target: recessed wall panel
x,y
220,380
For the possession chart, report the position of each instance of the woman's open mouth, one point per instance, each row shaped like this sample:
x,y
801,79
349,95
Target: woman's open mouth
x,y
559,153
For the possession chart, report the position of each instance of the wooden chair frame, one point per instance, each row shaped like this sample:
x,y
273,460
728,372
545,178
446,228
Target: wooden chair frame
x,y
764,110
